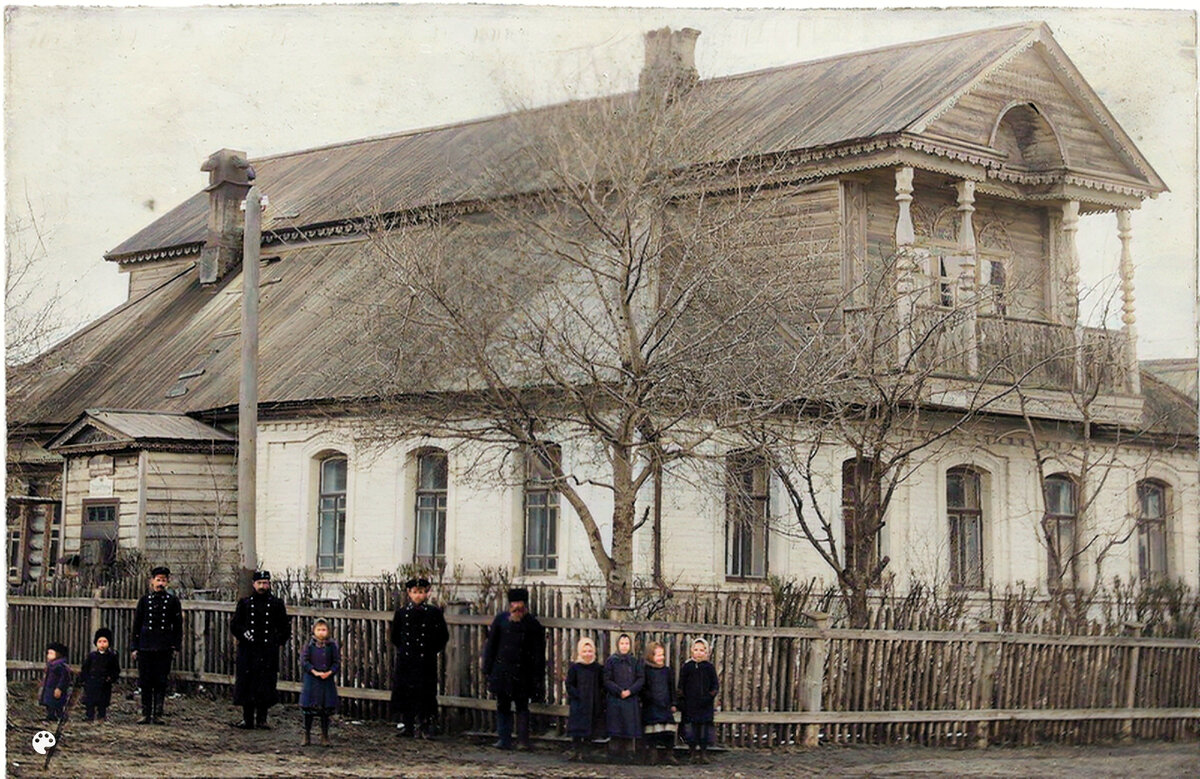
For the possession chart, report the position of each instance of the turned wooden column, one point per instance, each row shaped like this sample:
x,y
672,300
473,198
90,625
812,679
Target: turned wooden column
x,y
966,278
1125,233
1068,275
905,265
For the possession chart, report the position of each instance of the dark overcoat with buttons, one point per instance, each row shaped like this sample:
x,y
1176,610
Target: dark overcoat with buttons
x,y
157,623
419,633
261,626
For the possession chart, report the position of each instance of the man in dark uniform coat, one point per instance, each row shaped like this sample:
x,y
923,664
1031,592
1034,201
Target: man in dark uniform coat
x,y
419,633
514,662
260,626
157,634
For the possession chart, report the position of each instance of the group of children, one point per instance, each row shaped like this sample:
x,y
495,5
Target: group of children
x,y
626,698
631,699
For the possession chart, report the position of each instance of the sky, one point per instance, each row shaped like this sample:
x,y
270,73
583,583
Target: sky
x,y
109,112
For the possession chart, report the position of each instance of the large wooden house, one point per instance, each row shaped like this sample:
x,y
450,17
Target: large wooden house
x,y
973,156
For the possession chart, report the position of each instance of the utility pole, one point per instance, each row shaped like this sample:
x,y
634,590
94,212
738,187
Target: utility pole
x,y
248,390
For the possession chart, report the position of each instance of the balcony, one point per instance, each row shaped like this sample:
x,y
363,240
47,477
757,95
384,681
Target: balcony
x,y
954,344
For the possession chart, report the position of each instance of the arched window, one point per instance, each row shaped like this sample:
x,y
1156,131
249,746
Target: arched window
x,y
1060,526
964,510
541,509
861,498
432,478
331,514
1152,529
747,508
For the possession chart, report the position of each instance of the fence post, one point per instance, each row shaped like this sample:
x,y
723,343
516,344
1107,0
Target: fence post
x,y
96,616
1134,629
458,661
987,659
199,659
814,675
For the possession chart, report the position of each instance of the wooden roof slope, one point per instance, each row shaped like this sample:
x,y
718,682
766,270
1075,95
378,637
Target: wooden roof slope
x,y
106,429
811,105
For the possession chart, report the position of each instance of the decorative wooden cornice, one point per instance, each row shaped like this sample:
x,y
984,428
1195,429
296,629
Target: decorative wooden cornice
x,y
167,253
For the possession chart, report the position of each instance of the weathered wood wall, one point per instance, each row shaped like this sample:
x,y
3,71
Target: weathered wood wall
x,y
778,685
145,276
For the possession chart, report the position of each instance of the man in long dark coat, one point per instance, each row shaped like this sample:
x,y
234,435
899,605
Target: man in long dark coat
x,y
419,633
157,635
514,661
260,626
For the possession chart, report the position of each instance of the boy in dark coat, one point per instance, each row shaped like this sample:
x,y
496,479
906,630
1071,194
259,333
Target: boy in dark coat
x,y
157,635
260,625
624,676
514,662
56,684
585,699
419,633
698,687
100,671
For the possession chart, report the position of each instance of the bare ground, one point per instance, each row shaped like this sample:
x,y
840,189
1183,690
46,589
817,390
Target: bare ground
x,y
198,741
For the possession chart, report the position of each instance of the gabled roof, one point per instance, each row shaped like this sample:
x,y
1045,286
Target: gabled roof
x,y
811,105
107,429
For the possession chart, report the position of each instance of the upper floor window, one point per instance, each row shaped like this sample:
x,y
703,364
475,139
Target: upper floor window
x,y
747,507
541,508
1152,529
965,514
331,514
431,508
1060,526
860,498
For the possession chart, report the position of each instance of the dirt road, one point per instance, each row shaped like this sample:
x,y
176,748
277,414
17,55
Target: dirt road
x,y
198,741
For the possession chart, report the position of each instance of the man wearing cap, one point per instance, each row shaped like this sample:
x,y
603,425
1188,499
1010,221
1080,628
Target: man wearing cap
x,y
419,633
514,662
157,634
260,626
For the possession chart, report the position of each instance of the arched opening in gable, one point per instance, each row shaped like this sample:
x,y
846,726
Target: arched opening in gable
x,y
1025,135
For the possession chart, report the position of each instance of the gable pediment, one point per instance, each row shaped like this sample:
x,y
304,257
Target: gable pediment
x,y
90,435
1034,109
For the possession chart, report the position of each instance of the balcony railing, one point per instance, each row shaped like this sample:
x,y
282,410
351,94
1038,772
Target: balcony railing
x,y
1002,350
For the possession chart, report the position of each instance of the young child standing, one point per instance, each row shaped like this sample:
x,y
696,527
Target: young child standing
x,y
623,679
319,662
698,689
658,705
585,699
100,671
56,684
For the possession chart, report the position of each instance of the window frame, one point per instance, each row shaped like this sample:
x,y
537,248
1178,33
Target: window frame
x,y
747,513
436,501
336,514
957,518
1156,525
540,493
1055,580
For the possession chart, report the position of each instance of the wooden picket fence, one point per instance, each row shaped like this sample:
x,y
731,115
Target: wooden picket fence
x,y
779,686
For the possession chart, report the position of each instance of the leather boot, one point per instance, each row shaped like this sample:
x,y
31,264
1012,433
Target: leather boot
x,y
523,741
307,739
503,730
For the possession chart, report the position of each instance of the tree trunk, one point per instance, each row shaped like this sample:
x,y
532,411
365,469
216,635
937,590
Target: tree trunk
x,y
619,586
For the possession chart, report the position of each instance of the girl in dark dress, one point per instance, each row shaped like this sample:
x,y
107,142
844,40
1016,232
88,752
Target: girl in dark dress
x,y
698,688
658,705
100,671
56,684
319,661
623,679
585,698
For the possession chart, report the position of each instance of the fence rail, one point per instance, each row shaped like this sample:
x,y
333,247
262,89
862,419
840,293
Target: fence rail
x,y
778,685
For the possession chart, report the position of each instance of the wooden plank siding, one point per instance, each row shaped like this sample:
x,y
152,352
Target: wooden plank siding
x,y
1027,76
145,276
877,686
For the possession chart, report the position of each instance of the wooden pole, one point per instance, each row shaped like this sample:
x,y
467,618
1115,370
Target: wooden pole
x,y
1134,629
987,661
248,390
814,676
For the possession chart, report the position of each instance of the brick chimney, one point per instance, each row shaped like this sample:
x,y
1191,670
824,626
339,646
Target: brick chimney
x,y
670,67
229,179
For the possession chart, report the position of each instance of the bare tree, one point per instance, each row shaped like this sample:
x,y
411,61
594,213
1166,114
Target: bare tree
x,y
622,301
